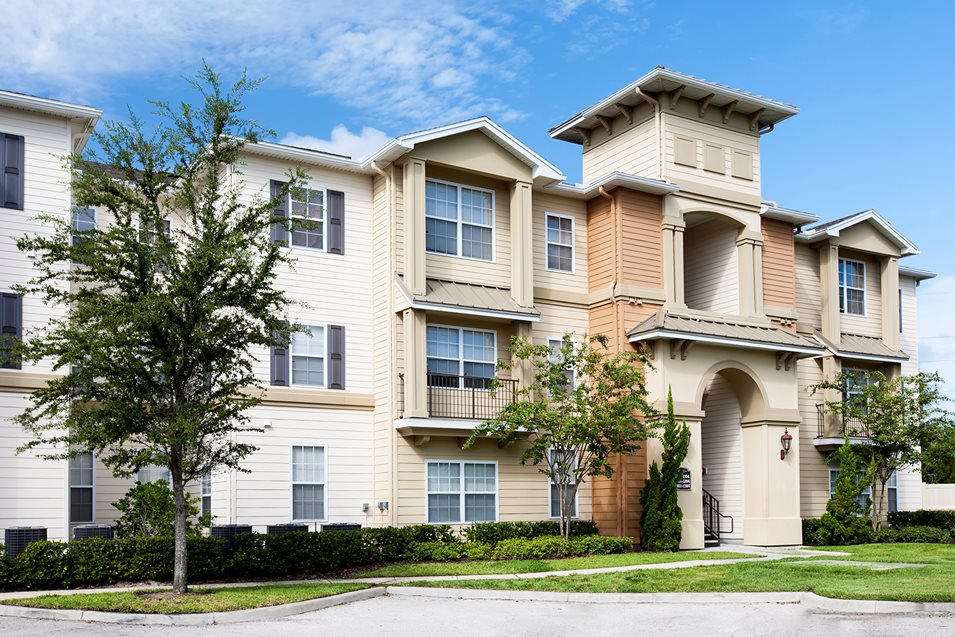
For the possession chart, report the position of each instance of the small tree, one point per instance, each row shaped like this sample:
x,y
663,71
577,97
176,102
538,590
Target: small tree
x,y
661,522
581,407
846,520
897,414
938,456
149,510
156,344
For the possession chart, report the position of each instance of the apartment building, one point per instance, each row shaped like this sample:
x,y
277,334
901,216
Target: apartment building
x,y
428,256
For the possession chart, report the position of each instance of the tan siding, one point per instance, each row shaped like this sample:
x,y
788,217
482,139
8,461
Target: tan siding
x,y
808,287
779,283
573,282
633,151
641,237
722,447
557,320
601,256
871,323
711,275
813,471
704,132
909,338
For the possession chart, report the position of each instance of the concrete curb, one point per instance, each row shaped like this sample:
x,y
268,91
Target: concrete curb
x,y
856,606
195,619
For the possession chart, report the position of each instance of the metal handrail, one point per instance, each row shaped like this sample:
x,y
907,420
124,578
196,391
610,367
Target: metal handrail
x,y
853,426
462,396
713,517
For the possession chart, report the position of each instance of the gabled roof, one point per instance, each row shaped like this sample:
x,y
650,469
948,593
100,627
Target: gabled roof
x,y
662,79
540,167
833,228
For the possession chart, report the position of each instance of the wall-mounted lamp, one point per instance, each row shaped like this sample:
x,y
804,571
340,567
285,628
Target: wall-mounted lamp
x,y
786,441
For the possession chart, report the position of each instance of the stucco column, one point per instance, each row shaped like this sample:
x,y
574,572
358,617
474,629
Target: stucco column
x,y
829,281
771,514
416,363
414,240
691,501
522,244
749,273
890,302
673,262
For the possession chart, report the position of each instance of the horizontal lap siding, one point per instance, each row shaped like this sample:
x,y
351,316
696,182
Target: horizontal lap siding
x,y
633,151
779,284
909,338
557,320
384,339
808,287
723,450
871,323
601,256
705,132
813,470
711,275
571,282
641,237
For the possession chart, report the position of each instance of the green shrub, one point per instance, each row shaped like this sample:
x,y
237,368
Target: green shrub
x,y
494,532
810,526
149,510
550,547
938,519
845,520
601,545
661,520
923,534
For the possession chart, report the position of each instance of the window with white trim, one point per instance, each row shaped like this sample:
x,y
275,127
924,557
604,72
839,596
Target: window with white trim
x,y
205,495
308,356
459,220
851,287
84,220
308,483
81,489
854,383
556,345
560,243
555,503
891,490
461,492
148,232
863,499
308,206
459,357
153,473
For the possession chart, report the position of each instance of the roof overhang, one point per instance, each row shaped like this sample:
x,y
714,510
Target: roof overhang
x,y
887,355
307,155
831,230
470,311
767,112
613,180
87,116
726,341
916,273
795,217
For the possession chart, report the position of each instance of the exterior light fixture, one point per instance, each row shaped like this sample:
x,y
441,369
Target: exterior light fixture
x,y
786,440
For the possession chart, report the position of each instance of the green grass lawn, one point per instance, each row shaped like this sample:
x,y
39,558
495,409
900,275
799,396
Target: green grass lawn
x,y
425,569
932,583
199,600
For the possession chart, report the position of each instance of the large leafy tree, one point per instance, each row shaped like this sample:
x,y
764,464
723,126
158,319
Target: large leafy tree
x,y
896,416
581,407
155,344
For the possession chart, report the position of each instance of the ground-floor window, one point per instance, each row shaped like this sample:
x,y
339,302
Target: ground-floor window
x,y
205,493
308,483
555,503
81,489
891,490
461,491
153,473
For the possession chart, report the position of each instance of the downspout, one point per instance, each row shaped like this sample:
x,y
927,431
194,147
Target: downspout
x,y
764,131
392,414
657,117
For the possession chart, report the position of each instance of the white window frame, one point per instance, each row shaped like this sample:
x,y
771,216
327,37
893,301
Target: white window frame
x,y
572,245
292,483
857,388
462,493
550,499
291,355
91,486
75,239
844,287
834,474
205,491
324,220
558,341
152,468
461,360
890,486
167,220
461,222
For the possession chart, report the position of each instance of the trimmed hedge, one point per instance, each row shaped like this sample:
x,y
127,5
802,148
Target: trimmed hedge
x,y
938,519
494,532
439,552
548,547
924,534
810,526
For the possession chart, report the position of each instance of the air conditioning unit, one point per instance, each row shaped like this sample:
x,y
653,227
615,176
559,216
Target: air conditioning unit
x,y
229,532
281,529
341,526
85,531
17,538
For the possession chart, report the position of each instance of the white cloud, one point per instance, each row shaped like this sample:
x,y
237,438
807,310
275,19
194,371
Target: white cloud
x,y
342,141
417,62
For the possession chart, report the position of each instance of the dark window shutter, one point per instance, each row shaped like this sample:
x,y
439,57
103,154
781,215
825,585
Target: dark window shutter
x,y
279,231
336,222
336,357
280,358
11,328
11,184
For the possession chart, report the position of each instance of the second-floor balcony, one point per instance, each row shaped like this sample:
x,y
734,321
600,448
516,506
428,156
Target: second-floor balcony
x,y
841,427
465,397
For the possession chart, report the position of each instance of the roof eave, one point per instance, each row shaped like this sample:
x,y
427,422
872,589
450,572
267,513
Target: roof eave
x,y
795,217
728,342
614,180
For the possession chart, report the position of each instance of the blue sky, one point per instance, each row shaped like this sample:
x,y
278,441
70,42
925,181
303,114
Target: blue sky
x,y
874,81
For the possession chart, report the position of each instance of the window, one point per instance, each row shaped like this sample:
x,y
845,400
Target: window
x,y
864,498
900,310
459,220
11,171
11,328
892,492
851,287
854,384
457,356
307,205
152,473
81,489
461,492
308,357
148,232
205,494
556,345
560,243
308,483
84,220
555,504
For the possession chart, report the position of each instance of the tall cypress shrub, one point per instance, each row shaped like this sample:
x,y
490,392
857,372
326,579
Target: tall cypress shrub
x,y
661,525
846,520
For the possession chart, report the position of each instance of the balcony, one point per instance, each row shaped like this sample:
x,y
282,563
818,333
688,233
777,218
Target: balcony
x,y
827,441
463,397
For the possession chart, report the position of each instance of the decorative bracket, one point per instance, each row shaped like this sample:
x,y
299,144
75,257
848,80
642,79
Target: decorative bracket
x,y
681,347
626,111
675,95
705,103
754,118
583,132
420,441
728,110
785,360
606,122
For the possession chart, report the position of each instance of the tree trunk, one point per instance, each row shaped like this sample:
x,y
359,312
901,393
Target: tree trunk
x,y
179,573
878,509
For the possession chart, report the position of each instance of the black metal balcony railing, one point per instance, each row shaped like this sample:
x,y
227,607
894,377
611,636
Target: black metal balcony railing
x,y
471,397
854,427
